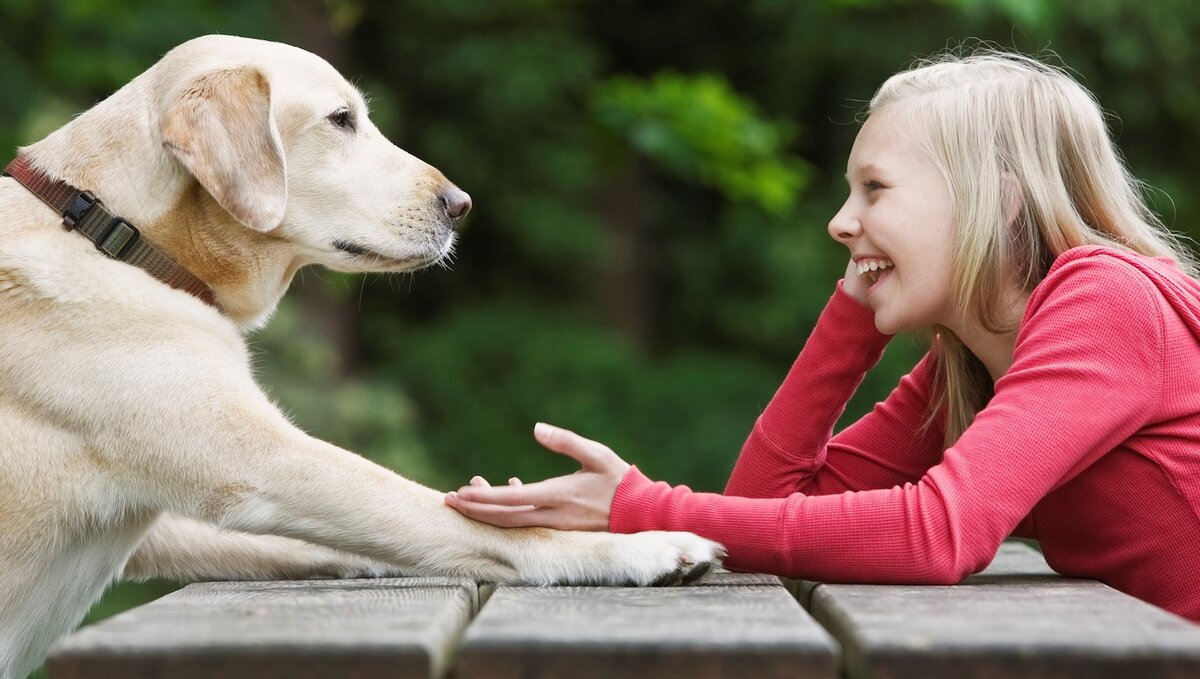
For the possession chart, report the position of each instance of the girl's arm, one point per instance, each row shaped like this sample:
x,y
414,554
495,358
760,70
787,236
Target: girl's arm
x,y
1086,375
789,449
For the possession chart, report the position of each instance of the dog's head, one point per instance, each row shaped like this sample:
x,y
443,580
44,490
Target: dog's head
x,y
283,143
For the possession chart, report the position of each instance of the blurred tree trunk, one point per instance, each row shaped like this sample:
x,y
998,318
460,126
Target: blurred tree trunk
x,y
327,307
627,292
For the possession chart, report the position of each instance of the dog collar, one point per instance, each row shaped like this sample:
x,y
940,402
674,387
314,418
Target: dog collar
x,y
82,211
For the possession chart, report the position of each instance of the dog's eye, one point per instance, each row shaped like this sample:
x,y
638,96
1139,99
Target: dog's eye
x,y
342,118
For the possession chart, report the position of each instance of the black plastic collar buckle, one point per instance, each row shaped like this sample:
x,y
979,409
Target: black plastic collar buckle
x,y
79,207
118,239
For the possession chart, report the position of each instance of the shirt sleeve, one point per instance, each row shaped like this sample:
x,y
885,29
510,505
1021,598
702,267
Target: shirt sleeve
x,y
1086,375
790,447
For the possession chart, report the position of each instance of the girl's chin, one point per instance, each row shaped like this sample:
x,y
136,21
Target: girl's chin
x,y
889,325
884,327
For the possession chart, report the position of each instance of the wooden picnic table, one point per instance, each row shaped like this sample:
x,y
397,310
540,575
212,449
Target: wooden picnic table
x,y
1016,619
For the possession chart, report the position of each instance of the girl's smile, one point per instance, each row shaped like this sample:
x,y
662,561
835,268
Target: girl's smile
x,y
871,267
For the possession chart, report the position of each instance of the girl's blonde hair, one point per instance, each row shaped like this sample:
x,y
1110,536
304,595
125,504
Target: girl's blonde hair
x,y
1032,172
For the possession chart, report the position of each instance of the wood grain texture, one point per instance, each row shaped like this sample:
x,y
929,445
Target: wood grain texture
x,y
1015,619
399,627
726,578
717,628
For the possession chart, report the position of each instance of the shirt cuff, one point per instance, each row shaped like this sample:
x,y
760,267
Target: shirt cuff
x,y
630,503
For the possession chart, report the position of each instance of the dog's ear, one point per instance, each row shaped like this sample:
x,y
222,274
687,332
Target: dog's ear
x,y
222,130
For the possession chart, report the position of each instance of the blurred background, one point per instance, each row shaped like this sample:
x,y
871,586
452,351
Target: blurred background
x,y
652,182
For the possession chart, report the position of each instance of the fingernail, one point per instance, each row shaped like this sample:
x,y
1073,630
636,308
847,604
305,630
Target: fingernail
x,y
452,495
542,429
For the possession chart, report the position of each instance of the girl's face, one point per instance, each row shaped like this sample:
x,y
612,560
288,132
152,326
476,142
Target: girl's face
x,y
897,224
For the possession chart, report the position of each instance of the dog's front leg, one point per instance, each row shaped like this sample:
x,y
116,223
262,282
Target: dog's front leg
x,y
186,550
257,473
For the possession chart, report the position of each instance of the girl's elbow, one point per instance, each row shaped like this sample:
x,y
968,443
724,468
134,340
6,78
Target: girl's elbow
x,y
951,565
949,573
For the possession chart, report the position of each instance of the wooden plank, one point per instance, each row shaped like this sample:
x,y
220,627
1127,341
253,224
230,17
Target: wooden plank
x,y
397,627
728,625
1014,558
1016,619
727,578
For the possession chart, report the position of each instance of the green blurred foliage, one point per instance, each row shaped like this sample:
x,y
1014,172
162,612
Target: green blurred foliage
x,y
652,182
700,130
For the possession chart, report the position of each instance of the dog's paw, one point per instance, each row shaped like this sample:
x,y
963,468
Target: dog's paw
x,y
663,559
636,560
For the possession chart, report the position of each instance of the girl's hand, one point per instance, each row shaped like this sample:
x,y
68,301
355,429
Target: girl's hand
x,y
855,285
579,501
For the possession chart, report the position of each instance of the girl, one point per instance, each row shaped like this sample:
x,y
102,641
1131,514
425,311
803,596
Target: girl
x,y
1060,400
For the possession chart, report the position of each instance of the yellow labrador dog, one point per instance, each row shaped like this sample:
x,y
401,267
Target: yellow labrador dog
x,y
134,441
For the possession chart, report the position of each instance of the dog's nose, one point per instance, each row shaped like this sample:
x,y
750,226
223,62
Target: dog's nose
x,y
456,202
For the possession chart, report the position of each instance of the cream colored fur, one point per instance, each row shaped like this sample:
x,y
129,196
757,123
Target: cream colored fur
x,y
133,439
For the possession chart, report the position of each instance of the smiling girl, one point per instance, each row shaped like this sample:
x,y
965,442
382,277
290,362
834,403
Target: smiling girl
x,y
1060,400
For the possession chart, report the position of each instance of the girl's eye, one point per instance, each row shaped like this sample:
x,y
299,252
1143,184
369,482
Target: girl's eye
x,y
872,186
342,119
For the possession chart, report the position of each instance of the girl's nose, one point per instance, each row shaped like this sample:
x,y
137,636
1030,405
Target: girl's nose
x,y
844,227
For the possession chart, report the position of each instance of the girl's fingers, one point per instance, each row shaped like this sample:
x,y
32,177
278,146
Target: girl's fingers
x,y
522,517
591,454
514,481
538,494
499,515
855,285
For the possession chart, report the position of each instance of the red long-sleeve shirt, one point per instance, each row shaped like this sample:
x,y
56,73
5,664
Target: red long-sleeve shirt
x,y
1090,445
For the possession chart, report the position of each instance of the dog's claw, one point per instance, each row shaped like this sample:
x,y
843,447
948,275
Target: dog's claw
x,y
669,579
696,572
685,573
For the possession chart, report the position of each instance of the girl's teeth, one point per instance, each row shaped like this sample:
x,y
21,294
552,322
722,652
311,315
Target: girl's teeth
x,y
873,266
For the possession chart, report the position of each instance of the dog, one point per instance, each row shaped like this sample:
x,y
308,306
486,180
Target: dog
x,y
134,441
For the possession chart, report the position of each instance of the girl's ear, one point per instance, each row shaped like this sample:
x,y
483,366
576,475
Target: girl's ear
x,y
221,129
